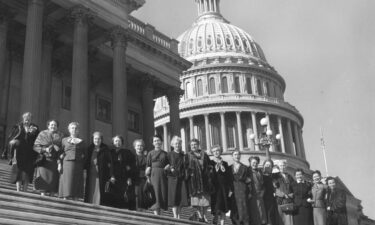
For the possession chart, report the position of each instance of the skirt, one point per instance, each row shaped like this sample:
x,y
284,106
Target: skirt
x,y
160,183
71,180
47,177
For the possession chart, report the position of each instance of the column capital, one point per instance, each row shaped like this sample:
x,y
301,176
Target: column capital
x,y
80,14
119,36
148,81
222,113
6,13
174,94
50,33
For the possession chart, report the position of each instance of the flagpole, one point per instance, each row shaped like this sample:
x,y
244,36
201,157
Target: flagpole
x,y
322,144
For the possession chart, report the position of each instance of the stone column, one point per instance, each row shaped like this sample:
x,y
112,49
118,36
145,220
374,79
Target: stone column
x,y
281,132
191,127
297,142
269,127
302,144
239,129
223,132
49,36
165,136
148,110
255,129
32,59
120,88
290,137
207,129
80,78
173,96
5,16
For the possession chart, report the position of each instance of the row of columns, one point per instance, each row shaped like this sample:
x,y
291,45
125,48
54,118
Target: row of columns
x,y
37,76
290,138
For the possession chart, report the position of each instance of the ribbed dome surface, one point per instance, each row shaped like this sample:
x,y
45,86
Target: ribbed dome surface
x,y
213,36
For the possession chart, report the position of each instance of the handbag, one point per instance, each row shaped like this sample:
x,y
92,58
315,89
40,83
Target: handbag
x,y
40,160
109,187
13,169
288,207
129,194
148,195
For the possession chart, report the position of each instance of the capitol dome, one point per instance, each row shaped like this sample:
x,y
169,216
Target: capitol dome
x,y
228,91
212,35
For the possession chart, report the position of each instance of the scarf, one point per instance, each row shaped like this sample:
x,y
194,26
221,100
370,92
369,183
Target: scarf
x,y
219,165
74,140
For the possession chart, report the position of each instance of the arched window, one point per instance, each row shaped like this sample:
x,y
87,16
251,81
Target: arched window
x,y
189,90
248,85
218,40
199,87
224,85
237,87
212,86
227,39
259,87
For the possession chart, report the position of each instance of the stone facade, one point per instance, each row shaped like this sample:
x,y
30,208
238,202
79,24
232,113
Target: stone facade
x,y
84,61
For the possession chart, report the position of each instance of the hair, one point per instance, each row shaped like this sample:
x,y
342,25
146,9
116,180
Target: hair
x,y
53,120
330,178
255,158
175,139
268,160
73,123
217,147
156,136
120,137
317,172
138,140
97,133
194,140
299,170
236,151
27,114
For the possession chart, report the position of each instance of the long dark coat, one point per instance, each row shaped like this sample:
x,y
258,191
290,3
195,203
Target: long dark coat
x,y
336,200
177,193
25,155
304,215
199,177
270,200
242,194
123,168
222,181
105,170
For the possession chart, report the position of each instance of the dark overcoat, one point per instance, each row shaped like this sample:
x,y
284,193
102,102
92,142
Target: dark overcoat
x,y
336,200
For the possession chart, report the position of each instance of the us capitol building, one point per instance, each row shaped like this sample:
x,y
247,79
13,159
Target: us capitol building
x,y
228,90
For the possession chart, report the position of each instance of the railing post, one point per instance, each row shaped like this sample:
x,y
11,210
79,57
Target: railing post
x,y
149,31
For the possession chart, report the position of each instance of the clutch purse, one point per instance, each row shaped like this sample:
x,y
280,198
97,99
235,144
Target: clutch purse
x,y
13,173
288,208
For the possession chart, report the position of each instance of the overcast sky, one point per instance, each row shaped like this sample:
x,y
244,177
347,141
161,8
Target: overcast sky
x,y
325,50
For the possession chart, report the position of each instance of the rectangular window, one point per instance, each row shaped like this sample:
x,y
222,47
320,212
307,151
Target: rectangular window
x,y
237,88
259,87
248,85
133,121
103,109
66,96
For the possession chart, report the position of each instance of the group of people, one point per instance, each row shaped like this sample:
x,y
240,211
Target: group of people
x,y
137,179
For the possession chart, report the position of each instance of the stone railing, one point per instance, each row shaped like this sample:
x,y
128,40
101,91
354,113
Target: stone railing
x,y
226,98
149,32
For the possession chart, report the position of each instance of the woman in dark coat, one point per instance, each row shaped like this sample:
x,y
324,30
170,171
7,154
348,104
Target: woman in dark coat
x,y
257,209
336,204
99,170
48,146
222,182
123,161
140,173
177,194
199,169
241,191
157,164
269,199
302,191
21,142
71,164
283,192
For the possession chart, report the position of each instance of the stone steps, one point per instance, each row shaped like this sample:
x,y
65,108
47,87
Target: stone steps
x,y
31,208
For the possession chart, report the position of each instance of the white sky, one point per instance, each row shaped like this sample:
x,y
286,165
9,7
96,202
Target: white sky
x,y
325,50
